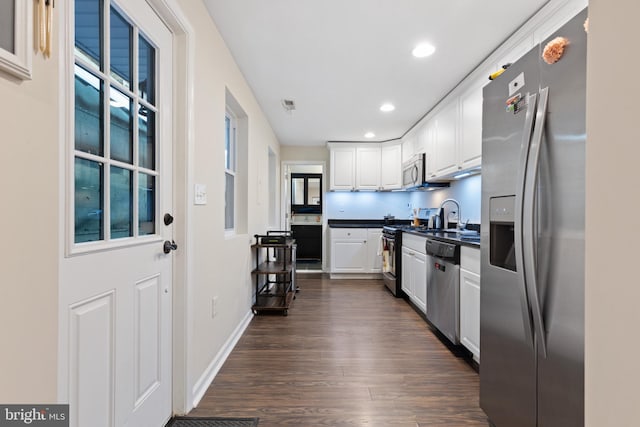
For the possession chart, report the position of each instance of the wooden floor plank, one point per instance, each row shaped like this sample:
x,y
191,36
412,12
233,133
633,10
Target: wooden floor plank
x,y
348,354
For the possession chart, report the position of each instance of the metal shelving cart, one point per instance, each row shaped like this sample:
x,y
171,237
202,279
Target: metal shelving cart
x,y
274,274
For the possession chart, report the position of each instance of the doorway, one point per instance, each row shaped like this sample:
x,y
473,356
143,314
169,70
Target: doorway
x,y
303,212
117,362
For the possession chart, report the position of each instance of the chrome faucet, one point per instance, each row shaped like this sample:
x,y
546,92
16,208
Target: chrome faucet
x,y
459,222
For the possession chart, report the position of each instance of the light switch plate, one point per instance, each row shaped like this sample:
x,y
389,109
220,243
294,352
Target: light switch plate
x,y
200,194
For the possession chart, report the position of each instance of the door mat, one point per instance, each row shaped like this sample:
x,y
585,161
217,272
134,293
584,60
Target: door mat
x,y
212,422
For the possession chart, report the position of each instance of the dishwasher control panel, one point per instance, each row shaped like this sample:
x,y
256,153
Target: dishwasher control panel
x,y
445,250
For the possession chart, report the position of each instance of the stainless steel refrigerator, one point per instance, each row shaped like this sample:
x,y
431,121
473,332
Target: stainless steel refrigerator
x,y
532,253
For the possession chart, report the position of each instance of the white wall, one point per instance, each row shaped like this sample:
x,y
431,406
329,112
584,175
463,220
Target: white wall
x,y
29,249
294,153
612,293
221,265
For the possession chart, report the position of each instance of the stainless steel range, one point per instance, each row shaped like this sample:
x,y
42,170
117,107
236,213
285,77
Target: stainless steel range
x,y
392,240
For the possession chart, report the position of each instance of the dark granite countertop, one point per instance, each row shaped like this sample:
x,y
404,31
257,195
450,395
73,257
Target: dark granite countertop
x,y
365,223
464,239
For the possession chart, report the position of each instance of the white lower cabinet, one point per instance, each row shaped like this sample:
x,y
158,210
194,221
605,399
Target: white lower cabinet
x,y
414,270
374,261
470,300
355,250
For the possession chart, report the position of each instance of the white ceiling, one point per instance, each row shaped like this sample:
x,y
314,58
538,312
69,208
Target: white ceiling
x,y
339,60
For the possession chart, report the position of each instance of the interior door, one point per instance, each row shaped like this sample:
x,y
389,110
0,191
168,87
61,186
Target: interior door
x,y
116,276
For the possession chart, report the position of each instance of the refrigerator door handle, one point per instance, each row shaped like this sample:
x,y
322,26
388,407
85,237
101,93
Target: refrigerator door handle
x,y
519,211
529,236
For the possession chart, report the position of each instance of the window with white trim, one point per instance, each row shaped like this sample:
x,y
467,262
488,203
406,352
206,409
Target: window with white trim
x,y
230,169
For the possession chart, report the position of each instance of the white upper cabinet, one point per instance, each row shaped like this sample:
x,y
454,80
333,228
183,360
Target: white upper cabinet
x,y
391,167
445,148
368,168
408,147
342,174
471,128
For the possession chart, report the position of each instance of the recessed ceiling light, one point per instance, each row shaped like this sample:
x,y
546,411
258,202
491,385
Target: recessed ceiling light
x,y
387,107
423,50
369,135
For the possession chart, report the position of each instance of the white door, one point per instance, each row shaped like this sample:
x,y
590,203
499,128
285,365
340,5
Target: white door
x,y
116,279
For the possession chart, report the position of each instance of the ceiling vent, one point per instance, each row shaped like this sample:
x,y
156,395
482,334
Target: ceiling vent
x,y
289,105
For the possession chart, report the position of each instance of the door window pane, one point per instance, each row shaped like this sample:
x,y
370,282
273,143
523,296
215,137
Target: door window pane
x,y
146,204
313,194
121,126
88,201
88,112
88,28
120,49
146,70
297,191
146,137
121,203
7,26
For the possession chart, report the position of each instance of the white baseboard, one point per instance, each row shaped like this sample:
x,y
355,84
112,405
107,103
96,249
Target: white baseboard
x,y
358,276
201,386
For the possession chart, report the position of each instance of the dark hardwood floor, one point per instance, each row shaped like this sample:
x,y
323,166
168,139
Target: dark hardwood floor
x,y
348,354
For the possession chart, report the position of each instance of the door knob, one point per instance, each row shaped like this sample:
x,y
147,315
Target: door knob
x,y
169,246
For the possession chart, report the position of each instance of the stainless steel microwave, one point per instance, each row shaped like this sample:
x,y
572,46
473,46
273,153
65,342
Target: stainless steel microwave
x,y
414,174
413,171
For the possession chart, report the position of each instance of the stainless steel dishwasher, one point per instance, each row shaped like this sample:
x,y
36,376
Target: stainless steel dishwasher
x,y
443,288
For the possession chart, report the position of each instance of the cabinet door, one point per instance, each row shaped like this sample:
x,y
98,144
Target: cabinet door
x,y
374,261
445,150
348,256
470,311
368,168
430,135
407,271
420,281
391,167
420,145
408,148
343,165
471,128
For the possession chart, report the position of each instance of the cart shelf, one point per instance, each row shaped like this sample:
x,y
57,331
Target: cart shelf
x,y
271,267
274,281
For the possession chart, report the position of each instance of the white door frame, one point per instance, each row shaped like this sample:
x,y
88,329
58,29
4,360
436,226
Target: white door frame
x,y
286,195
183,147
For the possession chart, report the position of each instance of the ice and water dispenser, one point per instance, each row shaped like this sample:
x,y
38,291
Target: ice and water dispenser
x,y
502,232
